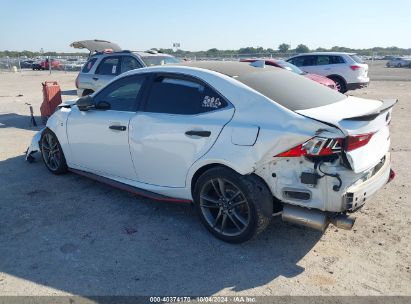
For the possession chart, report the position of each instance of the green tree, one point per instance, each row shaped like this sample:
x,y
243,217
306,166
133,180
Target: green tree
x,y
284,47
301,48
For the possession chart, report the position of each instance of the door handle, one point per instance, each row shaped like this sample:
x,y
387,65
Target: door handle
x,y
95,78
198,133
118,128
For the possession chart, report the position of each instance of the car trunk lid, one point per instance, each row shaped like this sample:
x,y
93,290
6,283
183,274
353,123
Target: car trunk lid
x,y
364,122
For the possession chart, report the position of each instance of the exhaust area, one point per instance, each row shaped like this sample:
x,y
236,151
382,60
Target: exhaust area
x,y
343,221
303,216
315,219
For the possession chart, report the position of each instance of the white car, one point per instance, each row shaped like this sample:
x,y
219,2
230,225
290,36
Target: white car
x,y
347,70
242,141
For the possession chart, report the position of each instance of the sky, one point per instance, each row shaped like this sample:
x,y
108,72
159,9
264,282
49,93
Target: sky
x,y
202,25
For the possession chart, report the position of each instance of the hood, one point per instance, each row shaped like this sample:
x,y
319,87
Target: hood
x,y
67,103
96,45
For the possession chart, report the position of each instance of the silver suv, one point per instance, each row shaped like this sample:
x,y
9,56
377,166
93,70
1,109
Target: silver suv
x,y
102,67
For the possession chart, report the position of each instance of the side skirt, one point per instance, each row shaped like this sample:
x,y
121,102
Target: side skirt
x,y
131,189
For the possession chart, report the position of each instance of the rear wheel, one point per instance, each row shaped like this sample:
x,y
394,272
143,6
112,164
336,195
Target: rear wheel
x,y
52,153
339,84
234,208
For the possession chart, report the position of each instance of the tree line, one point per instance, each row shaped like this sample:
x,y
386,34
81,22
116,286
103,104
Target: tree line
x,y
282,49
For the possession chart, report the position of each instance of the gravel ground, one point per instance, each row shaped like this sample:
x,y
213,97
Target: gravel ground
x,y
70,235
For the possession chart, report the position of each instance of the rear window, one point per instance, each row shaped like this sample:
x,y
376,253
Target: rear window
x,y
356,58
89,64
291,90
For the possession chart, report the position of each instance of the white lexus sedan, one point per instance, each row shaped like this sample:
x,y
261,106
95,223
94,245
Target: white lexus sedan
x,y
242,141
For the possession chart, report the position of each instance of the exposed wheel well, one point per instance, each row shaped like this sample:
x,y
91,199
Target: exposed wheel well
x,y
277,204
201,171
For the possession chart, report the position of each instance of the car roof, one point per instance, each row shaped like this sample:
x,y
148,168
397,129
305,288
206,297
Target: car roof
x,y
126,52
233,69
277,84
148,54
325,53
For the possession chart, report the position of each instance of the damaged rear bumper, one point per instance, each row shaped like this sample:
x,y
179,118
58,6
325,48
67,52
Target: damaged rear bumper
x,y
357,194
355,197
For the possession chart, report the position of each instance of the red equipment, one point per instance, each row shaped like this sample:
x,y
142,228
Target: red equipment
x,y
51,99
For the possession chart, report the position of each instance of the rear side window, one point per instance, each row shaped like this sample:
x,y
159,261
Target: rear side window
x,y
323,60
182,96
336,59
304,61
109,66
87,67
356,58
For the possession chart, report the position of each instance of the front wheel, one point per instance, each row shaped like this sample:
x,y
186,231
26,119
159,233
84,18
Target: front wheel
x,y
233,207
52,153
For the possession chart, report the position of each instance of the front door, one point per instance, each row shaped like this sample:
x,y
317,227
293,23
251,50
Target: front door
x,y
180,122
99,138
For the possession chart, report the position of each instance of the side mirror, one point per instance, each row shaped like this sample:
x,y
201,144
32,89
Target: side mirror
x,y
103,105
85,103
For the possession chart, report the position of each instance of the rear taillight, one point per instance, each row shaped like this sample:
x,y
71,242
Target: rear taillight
x,y
355,67
77,81
316,146
356,141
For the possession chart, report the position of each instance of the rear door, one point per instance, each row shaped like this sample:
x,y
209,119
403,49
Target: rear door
x,y
108,68
180,121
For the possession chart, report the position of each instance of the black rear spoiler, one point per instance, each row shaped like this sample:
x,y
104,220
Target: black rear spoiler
x,y
386,105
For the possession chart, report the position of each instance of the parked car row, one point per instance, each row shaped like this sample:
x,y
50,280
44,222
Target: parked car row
x,y
44,65
242,141
399,62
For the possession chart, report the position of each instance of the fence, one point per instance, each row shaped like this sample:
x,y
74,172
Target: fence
x,y
58,63
75,63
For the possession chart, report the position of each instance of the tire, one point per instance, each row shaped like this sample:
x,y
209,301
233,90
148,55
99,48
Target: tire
x,y
399,65
52,153
241,213
340,84
388,65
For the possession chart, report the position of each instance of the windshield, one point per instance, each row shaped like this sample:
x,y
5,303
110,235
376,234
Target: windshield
x,y
159,60
288,66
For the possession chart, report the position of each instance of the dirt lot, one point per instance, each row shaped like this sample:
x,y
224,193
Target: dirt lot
x,y
70,235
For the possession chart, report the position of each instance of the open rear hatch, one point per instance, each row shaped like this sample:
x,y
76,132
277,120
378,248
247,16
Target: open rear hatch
x,y
96,45
364,122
